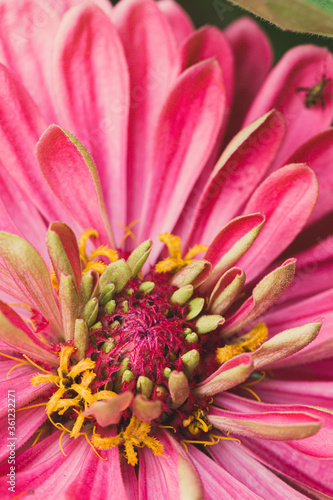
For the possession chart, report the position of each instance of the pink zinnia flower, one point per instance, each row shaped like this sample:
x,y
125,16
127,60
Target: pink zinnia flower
x,y
144,364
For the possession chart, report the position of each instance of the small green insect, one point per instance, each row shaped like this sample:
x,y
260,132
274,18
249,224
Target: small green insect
x,y
315,94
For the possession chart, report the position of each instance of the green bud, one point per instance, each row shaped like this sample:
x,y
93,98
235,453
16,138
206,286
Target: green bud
x,y
139,256
108,346
187,331
195,308
182,295
191,360
114,325
123,367
117,273
90,312
192,338
127,376
208,323
145,386
166,372
80,339
146,286
130,291
110,307
124,306
96,326
106,294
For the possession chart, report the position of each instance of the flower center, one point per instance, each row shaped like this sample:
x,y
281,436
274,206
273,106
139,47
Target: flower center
x,y
147,344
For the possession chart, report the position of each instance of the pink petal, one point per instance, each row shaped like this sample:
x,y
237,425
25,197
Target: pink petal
x,y
230,244
30,273
19,382
205,43
318,445
253,59
149,48
14,209
305,311
44,468
317,153
302,66
130,480
291,190
244,468
284,344
9,286
16,333
240,169
309,392
64,252
170,476
217,480
27,423
20,118
281,424
179,21
108,412
314,271
227,290
91,87
292,464
72,176
185,137
266,293
230,374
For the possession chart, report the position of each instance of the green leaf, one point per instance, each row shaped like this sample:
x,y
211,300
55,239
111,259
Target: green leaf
x,y
305,16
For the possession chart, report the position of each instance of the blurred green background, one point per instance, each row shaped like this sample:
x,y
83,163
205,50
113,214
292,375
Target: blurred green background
x,y
221,13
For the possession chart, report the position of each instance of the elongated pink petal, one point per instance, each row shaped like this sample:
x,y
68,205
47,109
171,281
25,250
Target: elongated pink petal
x,y
266,293
253,59
149,48
181,24
64,252
230,244
301,67
130,480
314,271
317,153
227,290
172,477
306,311
318,445
251,473
19,383
9,286
18,335
17,205
44,468
21,118
217,479
308,392
26,423
72,176
185,137
230,374
279,425
291,464
31,276
284,344
92,91
291,190
240,169
203,44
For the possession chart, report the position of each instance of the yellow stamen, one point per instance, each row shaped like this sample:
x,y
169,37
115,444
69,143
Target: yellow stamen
x,y
263,375
197,422
13,357
32,406
175,261
136,435
83,365
35,364
60,438
219,438
93,447
40,378
104,250
53,278
77,426
88,233
40,432
249,342
251,392
13,368
128,231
